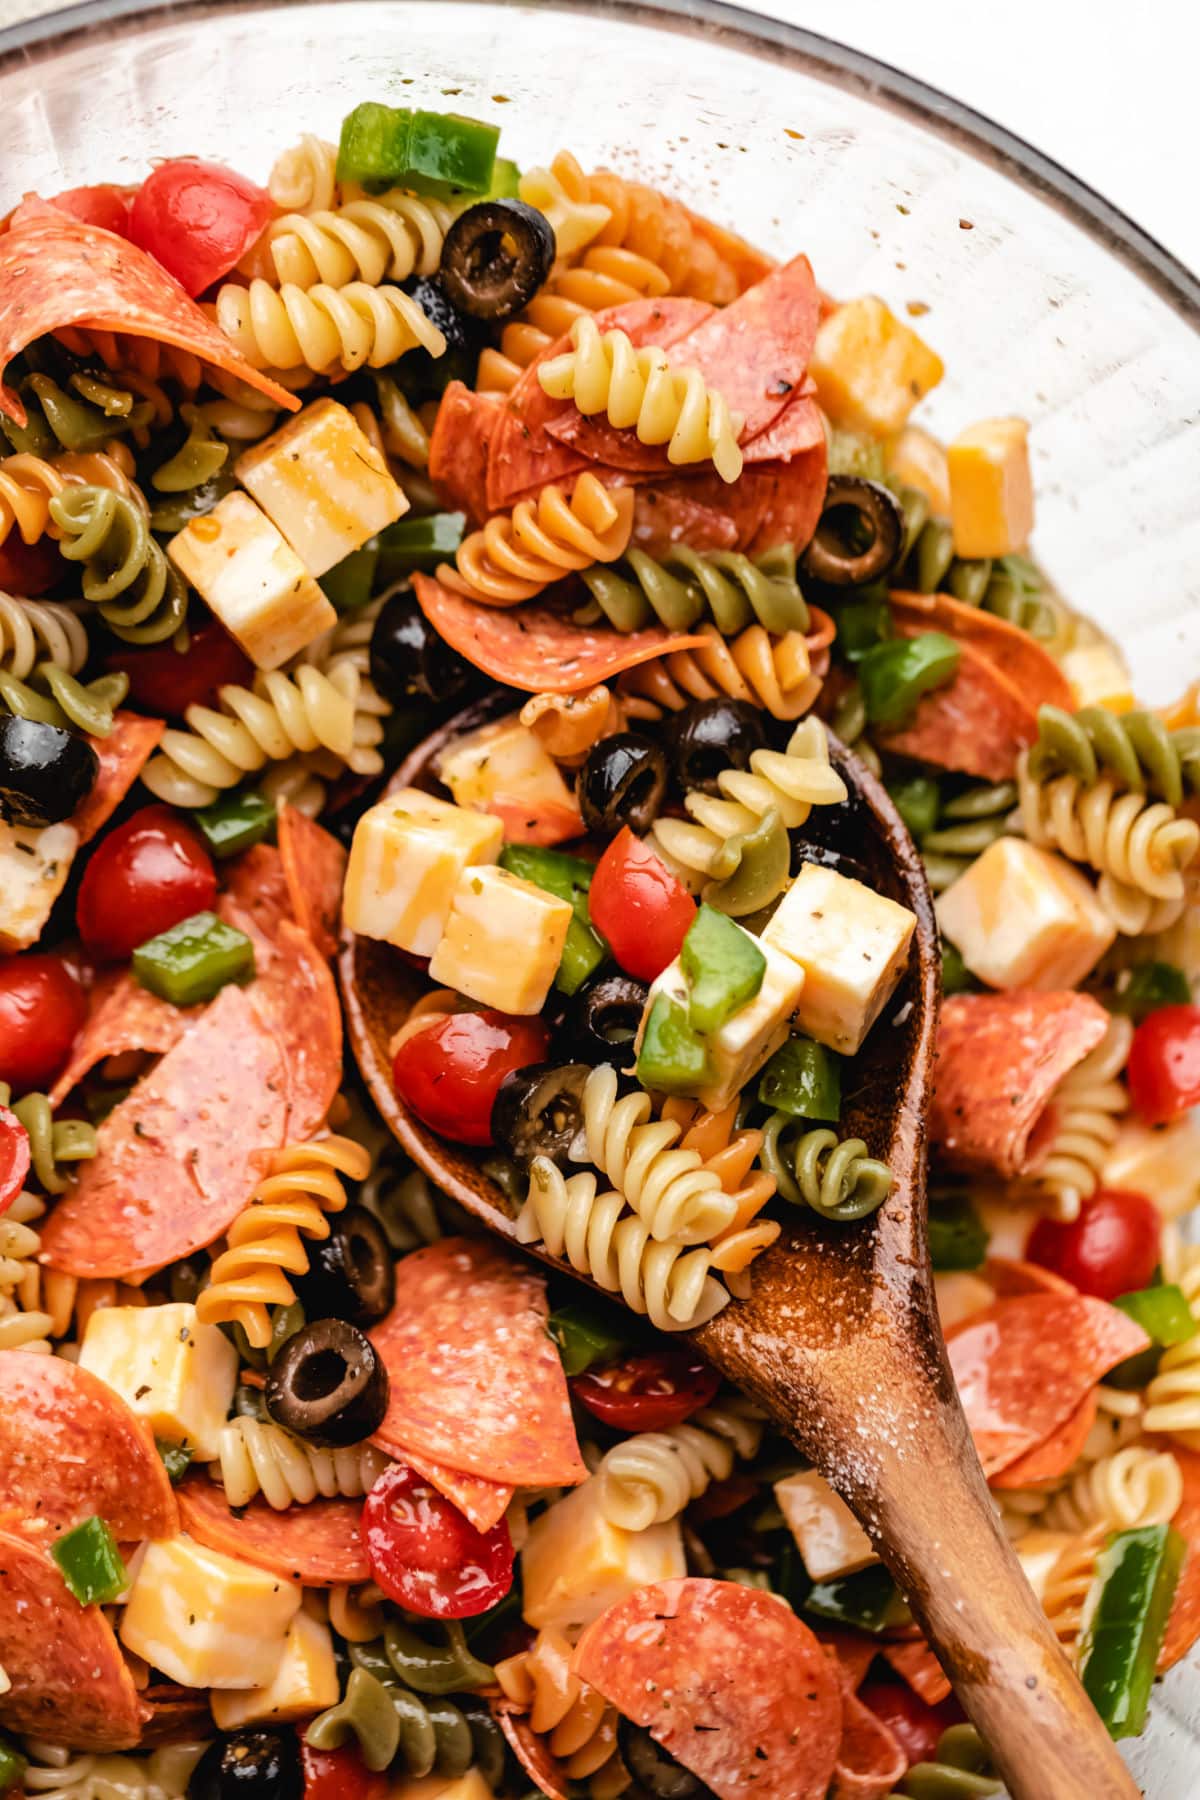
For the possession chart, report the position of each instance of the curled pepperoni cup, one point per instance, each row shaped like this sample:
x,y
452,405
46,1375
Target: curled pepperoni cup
x,y
426,1556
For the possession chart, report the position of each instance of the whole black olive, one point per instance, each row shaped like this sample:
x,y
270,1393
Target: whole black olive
x,y
351,1275
654,1769
249,1765
539,1111
605,1016
409,660
328,1385
622,783
427,377
44,771
496,256
859,535
711,735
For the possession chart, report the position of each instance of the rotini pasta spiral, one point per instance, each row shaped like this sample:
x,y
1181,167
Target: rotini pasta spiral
x,y
1011,587
1134,748
52,1141
562,193
348,645
567,725
59,699
56,1773
961,1770
578,1724
966,825
395,430
518,554
735,590
1087,1106
639,390
673,1193
604,277
68,418
323,328
369,240
837,1178
23,1324
420,1732
257,1457
40,631
263,1243
1132,1487
774,673
651,1477
730,1154
1173,1397
355,1613
304,178
140,596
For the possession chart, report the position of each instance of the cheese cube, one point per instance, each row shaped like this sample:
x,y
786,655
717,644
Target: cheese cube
x,y
405,861
576,1564
829,1538
253,581
505,769
503,941
991,488
34,865
305,1682
1098,675
172,1371
916,459
205,1619
1023,917
852,944
870,369
750,1037
322,482
1162,1161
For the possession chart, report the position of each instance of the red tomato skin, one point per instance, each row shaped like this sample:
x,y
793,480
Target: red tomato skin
x,y
1110,1249
450,1072
426,1556
146,876
647,1393
14,1157
29,569
339,1774
1164,1064
105,205
639,906
42,1009
915,1725
165,684
197,219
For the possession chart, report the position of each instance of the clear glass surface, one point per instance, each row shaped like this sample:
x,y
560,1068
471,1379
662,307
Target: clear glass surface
x,y
1041,299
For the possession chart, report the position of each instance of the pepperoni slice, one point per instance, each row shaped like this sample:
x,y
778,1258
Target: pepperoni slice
x,y
123,754
314,866
531,1751
484,1503
256,885
870,1758
795,499
667,513
919,1667
1007,1277
1183,1626
318,1544
727,1679
122,1016
854,1653
294,1001
70,1447
756,351
459,448
798,428
475,1381
1056,1454
1017,655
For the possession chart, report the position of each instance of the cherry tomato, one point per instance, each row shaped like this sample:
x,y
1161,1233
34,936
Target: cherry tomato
x,y
723,1498
425,1555
105,205
1110,1249
197,219
146,876
1164,1064
449,1073
639,906
339,1774
14,1157
165,683
647,1393
29,569
915,1725
42,1007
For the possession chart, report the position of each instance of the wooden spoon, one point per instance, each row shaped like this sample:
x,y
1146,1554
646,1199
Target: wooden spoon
x,y
840,1339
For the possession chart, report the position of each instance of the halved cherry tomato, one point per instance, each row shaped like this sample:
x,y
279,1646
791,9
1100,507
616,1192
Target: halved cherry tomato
x,y
105,205
1110,1249
723,1498
339,1774
647,1393
1164,1064
198,219
29,569
915,1726
14,1157
425,1555
639,906
450,1072
146,876
42,1007
164,683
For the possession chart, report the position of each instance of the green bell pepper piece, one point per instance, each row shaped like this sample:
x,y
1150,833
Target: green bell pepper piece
x,y
374,143
506,180
448,151
1136,1576
956,977
855,453
894,676
1162,1312
918,801
91,1563
568,878
194,960
868,1599
232,825
673,1057
12,1766
418,544
1150,986
724,968
175,1460
584,1336
862,624
348,585
958,1238
804,1079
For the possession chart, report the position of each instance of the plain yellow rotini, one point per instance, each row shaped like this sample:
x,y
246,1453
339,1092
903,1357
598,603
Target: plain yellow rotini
x,y
1127,1489
39,631
603,277
676,1196
371,240
260,1457
562,193
652,1476
1087,1107
1173,1397
578,1724
304,178
347,645
518,554
772,671
23,1324
323,328
57,1773
355,1613
395,430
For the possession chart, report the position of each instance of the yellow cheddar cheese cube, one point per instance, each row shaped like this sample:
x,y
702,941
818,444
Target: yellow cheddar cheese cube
x,y
870,369
305,1682
576,1563
253,581
852,945
205,1619
1098,676
407,855
1023,917
322,482
991,488
172,1371
506,769
829,1538
34,864
1160,1160
916,459
502,942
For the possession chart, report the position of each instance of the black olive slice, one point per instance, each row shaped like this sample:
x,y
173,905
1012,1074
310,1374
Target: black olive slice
x,y
45,772
605,1016
539,1111
328,1385
351,1275
859,535
654,1769
712,735
622,782
249,1765
409,660
495,257
427,377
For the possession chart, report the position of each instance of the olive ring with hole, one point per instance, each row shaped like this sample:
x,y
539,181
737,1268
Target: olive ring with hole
x,y
711,736
623,782
602,1018
859,534
538,1111
328,1385
495,257
351,1273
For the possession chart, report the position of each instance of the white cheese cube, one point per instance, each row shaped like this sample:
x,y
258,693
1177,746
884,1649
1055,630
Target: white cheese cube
x,y
205,1619
323,483
749,1038
34,865
829,1538
305,1682
1023,917
405,861
253,581
1099,677
505,769
502,942
1160,1161
172,1371
576,1564
852,944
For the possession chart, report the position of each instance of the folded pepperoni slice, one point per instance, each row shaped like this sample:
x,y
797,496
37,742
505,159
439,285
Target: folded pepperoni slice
x,y
1183,1626
799,427
122,756
294,1002
122,1016
919,1667
475,1382
483,1502
794,500
1017,655
256,885
1055,1454
756,351
314,865
70,1447
727,1679
318,1544
854,1653
459,448
870,1759
1000,1057
531,1751
667,513
1007,1277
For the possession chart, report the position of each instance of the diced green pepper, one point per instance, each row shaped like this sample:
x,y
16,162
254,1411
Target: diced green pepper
x,y
449,152
12,1766
412,544
506,180
673,1057
1162,1312
862,624
855,453
958,1238
374,145
868,1599
1150,986
894,676
349,583
956,977
232,825
918,801
1136,1576
91,1563
724,968
584,1336
804,1079
568,878
194,960
175,1460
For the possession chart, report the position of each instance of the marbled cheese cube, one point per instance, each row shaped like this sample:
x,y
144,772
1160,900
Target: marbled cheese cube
x,y
172,1371
502,942
852,944
304,1683
1023,917
34,864
205,1619
405,861
870,369
576,1564
829,1538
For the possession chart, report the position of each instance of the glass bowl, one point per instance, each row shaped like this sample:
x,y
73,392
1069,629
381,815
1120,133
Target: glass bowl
x,y
1042,299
